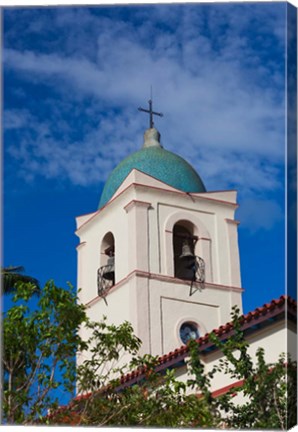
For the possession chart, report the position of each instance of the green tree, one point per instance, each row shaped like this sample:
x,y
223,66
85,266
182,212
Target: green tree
x,y
38,363
38,351
12,275
269,389
159,400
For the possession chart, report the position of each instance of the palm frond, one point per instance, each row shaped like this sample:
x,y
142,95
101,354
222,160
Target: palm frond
x,y
12,275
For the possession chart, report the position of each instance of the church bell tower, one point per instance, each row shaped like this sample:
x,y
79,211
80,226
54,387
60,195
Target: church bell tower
x,y
160,252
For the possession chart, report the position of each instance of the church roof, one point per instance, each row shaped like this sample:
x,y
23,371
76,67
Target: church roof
x,y
250,322
154,160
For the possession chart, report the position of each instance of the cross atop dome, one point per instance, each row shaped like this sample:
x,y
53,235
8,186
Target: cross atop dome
x,y
151,113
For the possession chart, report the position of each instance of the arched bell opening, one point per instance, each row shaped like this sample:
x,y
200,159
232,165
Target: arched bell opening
x,y
106,271
107,249
184,242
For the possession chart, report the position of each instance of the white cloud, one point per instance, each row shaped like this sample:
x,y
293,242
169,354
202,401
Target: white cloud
x,y
213,107
260,214
222,99
16,119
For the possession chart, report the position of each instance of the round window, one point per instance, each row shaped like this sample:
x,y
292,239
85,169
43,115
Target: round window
x,y
188,330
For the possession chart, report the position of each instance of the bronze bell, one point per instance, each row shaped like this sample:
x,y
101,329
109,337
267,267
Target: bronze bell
x,y
186,250
185,264
110,269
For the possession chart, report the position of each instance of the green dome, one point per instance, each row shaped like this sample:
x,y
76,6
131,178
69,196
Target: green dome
x,y
157,162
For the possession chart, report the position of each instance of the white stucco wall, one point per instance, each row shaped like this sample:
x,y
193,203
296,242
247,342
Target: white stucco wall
x,y
141,217
171,304
272,339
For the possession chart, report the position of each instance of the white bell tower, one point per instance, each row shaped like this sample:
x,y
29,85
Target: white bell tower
x,y
160,252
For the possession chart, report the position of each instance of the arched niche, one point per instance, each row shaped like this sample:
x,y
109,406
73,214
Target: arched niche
x,y
107,248
184,242
106,272
189,224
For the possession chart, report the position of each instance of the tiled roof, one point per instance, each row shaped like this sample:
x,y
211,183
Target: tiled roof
x,y
253,318
248,321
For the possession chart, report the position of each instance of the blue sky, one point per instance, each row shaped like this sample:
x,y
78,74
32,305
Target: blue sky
x,y
73,79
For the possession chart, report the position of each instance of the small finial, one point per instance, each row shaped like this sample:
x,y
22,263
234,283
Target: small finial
x,y
152,138
151,112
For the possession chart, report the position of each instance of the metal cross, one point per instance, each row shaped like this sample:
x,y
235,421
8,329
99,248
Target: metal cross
x,y
152,113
